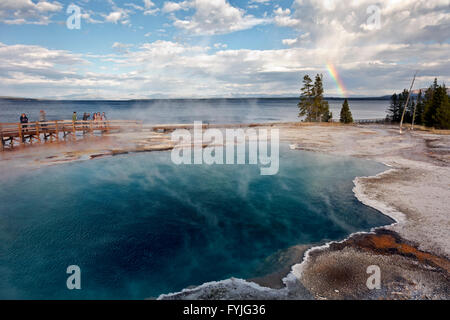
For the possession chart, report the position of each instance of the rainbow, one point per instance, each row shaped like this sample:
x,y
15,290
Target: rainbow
x,y
335,75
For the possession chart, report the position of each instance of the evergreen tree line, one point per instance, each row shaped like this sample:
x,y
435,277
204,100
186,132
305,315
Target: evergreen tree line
x,y
312,105
431,108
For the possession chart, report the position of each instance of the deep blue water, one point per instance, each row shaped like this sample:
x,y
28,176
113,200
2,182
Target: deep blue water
x,y
185,111
139,226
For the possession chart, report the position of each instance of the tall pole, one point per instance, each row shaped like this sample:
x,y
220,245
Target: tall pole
x,y
407,101
414,114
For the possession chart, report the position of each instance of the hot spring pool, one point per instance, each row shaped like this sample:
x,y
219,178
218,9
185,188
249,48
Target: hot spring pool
x,y
139,226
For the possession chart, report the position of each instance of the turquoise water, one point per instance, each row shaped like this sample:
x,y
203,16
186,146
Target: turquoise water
x,y
139,226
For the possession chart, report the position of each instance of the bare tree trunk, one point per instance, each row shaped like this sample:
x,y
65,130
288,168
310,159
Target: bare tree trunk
x,y
407,101
414,114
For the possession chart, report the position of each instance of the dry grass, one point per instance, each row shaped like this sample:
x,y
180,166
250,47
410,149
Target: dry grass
x,y
427,129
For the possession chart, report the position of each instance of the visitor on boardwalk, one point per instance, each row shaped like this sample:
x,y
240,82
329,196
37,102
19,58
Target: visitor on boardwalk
x,y
74,116
104,119
42,116
86,117
23,119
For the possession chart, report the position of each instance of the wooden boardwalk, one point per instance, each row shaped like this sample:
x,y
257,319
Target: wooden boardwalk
x,y
13,134
369,121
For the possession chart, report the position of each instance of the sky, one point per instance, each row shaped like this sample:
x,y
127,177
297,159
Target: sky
x,y
111,49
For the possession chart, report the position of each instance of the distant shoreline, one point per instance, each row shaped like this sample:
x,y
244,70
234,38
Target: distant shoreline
x,y
383,98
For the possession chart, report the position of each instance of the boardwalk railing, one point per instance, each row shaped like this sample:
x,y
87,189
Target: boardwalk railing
x,y
22,133
367,121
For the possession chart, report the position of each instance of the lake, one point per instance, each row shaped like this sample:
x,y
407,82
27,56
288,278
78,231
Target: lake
x,y
184,110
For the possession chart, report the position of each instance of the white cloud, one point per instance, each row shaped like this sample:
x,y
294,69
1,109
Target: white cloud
x,y
283,18
118,14
30,65
413,35
338,26
88,17
213,17
148,7
220,45
151,12
303,38
255,3
181,70
114,16
134,6
27,11
121,47
343,22
171,6
148,4
289,42
44,6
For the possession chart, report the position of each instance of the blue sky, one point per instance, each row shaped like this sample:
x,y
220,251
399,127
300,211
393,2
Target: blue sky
x,y
219,48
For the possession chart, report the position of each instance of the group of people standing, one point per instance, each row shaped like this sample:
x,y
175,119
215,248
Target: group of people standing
x,y
96,116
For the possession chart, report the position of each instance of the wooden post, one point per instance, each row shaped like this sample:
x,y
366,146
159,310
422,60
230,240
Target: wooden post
x,y
38,134
30,134
56,130
414,114
91,129
21,134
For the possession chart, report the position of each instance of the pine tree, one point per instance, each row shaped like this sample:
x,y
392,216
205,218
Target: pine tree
x,y
327,115
428,112
431,109
312,105
306,99
433,101
420,109
442,117
321,110
397,105
346,115
436,107
394,109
